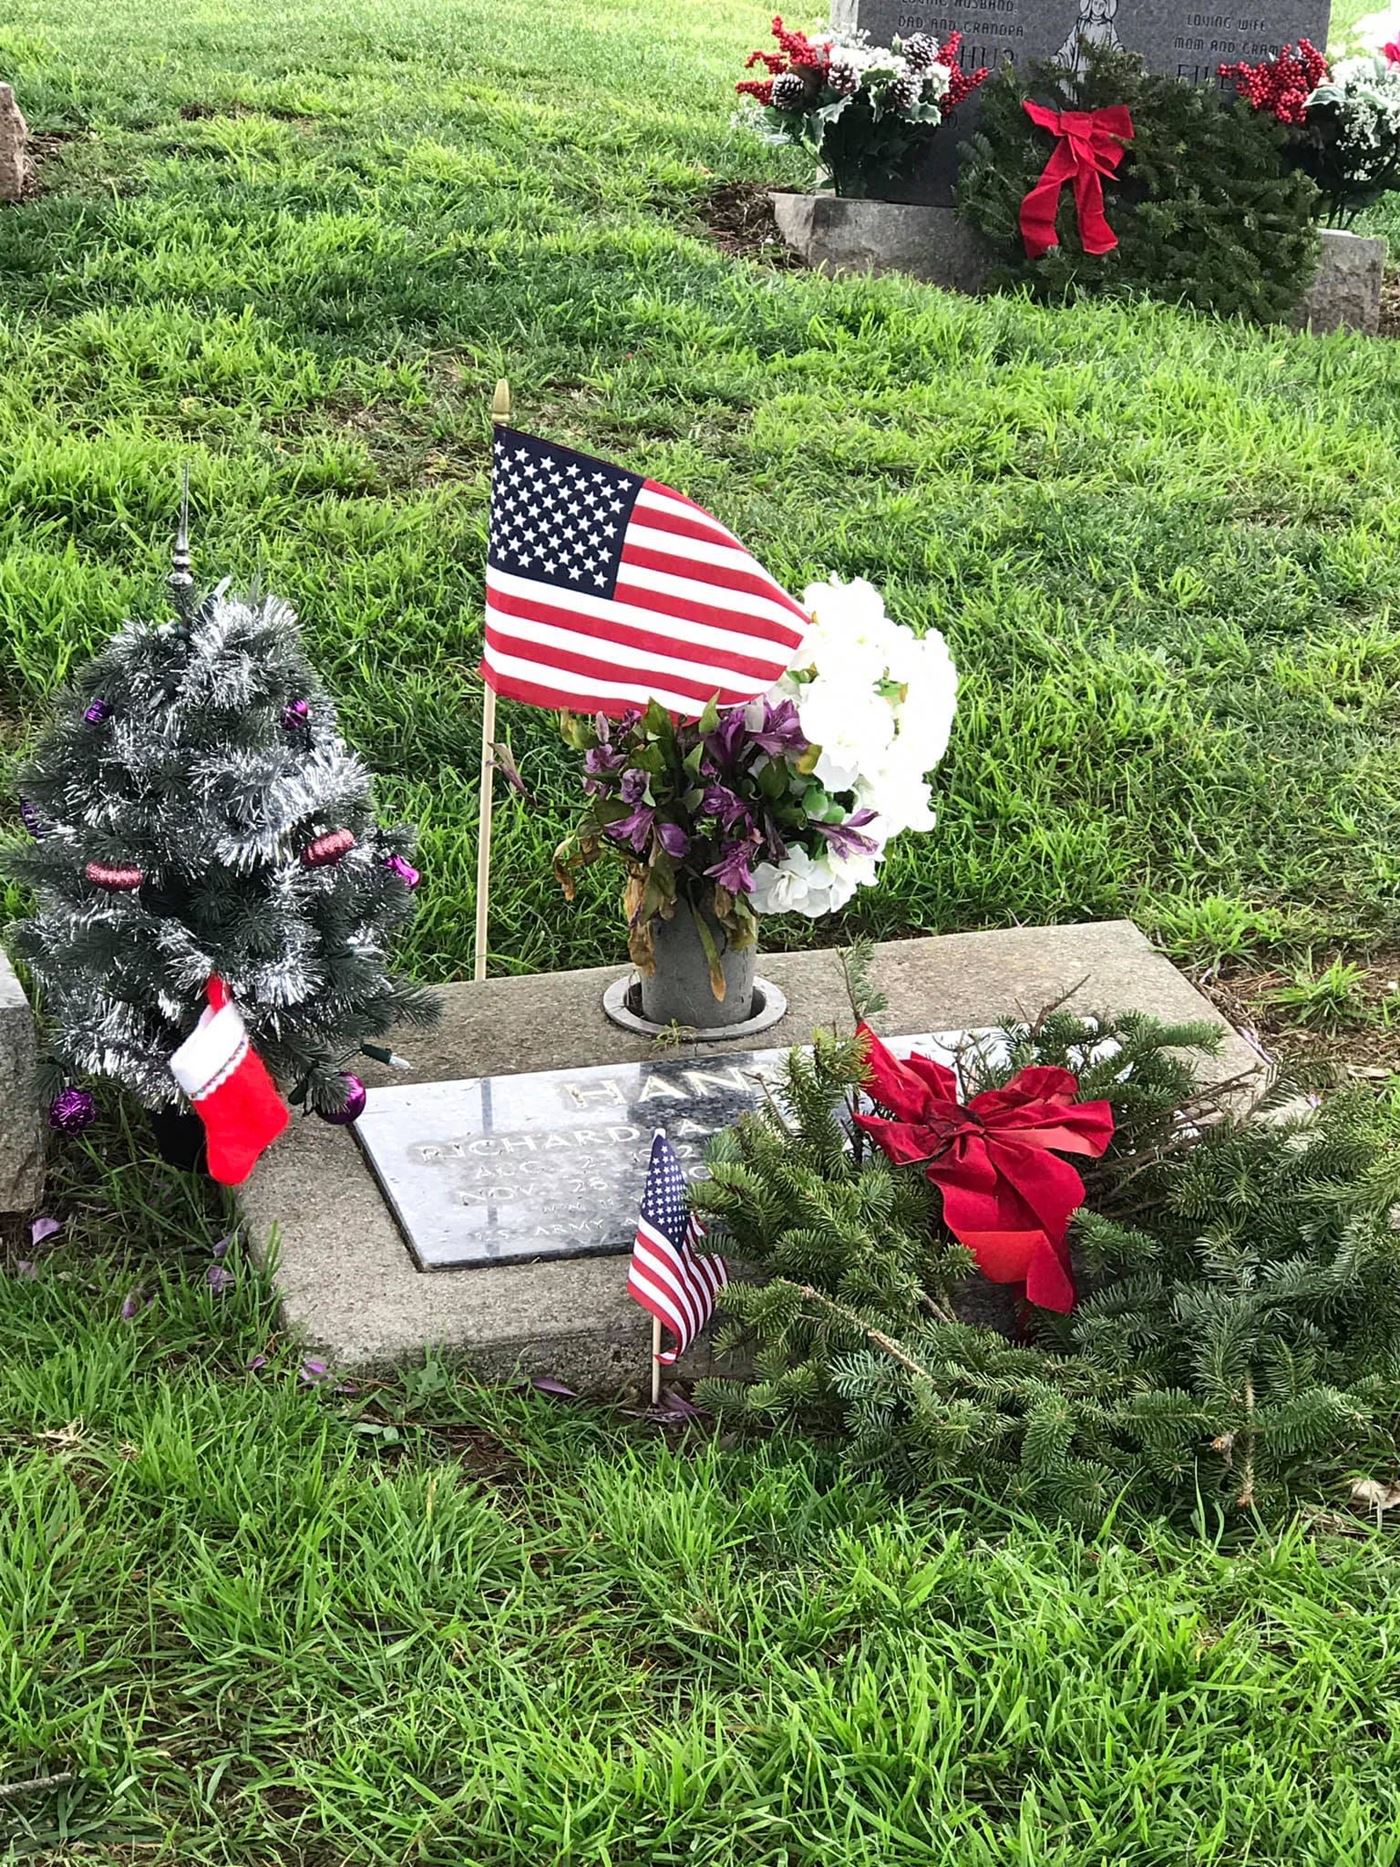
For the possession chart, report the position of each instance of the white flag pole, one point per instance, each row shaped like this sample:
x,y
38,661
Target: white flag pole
x,y
500,412
656,1361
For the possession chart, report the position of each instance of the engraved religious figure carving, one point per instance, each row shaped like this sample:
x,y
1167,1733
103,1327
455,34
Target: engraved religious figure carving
x,y
1094,26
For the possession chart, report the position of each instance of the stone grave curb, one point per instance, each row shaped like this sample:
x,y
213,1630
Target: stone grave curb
x,y
346,1280
22,1130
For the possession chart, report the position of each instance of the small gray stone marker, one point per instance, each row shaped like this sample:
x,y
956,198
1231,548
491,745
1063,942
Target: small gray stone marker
x,y
21,1123
1188,38
551,1163
14,138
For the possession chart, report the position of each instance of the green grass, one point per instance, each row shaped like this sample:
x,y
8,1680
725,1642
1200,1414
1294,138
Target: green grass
x,y
262,1622
1167,554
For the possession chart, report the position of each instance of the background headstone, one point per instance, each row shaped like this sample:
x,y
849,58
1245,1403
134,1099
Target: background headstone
x,y
21,1124
14,136
1187,38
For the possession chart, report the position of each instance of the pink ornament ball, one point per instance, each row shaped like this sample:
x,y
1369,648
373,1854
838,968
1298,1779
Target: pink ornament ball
x,y
405,871
354,1103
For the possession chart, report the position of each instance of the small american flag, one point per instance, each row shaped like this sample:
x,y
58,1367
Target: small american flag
x,y
605,590
671,1279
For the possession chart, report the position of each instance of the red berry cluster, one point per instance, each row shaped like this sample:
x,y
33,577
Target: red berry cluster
x,y
1281,86
797,54
961,83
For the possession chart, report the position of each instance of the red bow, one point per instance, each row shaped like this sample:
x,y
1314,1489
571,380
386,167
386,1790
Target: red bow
x,y
1005,1195
1091,146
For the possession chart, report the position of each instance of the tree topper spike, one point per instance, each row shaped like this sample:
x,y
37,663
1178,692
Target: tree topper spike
x,y
500,401
181,579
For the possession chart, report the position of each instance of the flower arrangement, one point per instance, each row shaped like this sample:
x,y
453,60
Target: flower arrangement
x,y
866,112
1344,119
785,805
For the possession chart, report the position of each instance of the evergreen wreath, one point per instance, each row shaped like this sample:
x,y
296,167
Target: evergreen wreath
x,y
1206,206
1240,1342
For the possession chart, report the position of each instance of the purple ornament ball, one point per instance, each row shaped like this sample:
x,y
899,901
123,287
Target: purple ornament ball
x,y
31,820
71,1111
354,1103
97,712
295,713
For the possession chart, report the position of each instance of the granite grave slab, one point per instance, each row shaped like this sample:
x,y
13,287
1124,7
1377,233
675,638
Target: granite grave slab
x,y
551,1163
1187,38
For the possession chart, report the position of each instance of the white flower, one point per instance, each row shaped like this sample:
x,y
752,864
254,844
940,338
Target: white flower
x,y
801,885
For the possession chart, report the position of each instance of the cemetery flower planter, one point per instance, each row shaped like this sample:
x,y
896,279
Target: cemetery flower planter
x,y
836,233
1346,293
679,991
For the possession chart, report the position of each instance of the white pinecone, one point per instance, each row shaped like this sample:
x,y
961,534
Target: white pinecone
x,y
844,79
905,92
789,92
919,51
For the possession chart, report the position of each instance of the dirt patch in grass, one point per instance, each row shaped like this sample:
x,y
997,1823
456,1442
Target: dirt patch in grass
x,y
1355,1039
739,217
1390,306
200,112
40,151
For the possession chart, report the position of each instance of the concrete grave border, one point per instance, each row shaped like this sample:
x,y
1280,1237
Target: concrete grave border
x,y
347,1282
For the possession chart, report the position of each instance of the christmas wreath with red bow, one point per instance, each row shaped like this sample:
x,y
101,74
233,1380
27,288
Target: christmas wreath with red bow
x,y
1117,179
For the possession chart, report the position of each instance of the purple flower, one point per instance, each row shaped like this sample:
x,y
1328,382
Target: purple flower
x,y
218,1279
673,840
255,1364
635,830
633,786
602,761
781,730
732,871
132,1305
719,801
313,1369
42,1230
727,738
845,838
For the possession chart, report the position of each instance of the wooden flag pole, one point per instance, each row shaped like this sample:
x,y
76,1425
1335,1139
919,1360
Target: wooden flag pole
x,y
500,412
656,1361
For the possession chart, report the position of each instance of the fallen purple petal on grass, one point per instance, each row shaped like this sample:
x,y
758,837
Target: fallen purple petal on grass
x,y
44,1229
313,1370
132,1305
545,1384
218,1279
26,1269
219,1249
255,1364
345,1387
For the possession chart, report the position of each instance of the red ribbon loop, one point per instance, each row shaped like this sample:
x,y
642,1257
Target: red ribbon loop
x,y
1006,1194
1091,145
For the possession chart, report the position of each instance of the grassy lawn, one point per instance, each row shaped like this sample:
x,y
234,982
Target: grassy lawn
x,y
249,1619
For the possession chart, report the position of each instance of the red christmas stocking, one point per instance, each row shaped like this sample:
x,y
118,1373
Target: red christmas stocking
x,y
228,1083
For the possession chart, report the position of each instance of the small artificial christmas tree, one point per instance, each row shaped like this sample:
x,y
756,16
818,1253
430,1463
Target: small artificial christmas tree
x,y
196,816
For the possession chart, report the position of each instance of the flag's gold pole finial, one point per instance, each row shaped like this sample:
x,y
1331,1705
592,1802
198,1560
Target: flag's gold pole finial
x,y
500,401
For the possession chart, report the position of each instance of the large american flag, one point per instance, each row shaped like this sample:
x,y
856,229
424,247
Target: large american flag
x,y
670,1277
605,590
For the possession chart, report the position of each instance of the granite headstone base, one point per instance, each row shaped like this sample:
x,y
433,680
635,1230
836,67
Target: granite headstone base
x,y
348,1284
1346,294
834,234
